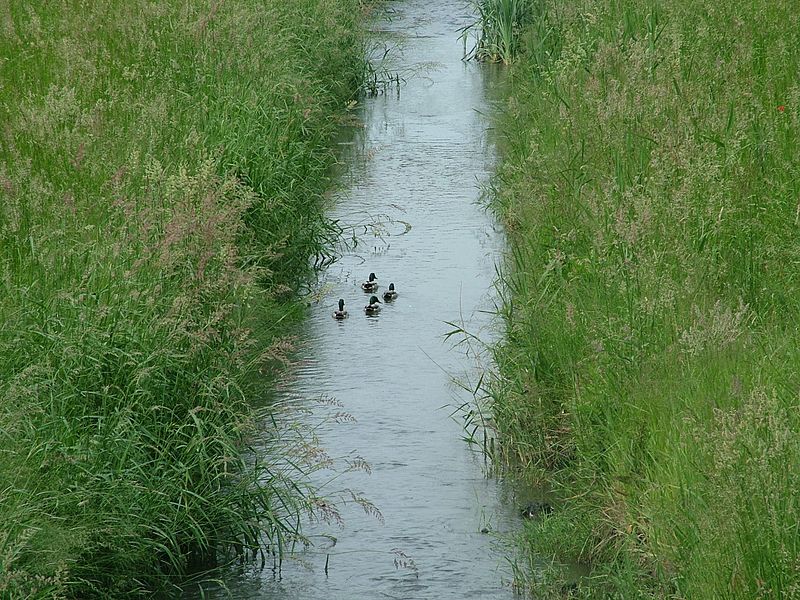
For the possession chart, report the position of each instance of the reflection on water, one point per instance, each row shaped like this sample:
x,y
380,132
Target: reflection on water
x,y
410,196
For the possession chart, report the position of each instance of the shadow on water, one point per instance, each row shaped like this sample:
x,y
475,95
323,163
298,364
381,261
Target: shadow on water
x,y
408,204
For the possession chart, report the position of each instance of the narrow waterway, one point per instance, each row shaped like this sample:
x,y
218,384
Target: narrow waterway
x,y
414,168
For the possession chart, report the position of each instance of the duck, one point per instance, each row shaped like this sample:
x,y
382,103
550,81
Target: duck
x,y
390,294
374,305
536,509
371,284
340,313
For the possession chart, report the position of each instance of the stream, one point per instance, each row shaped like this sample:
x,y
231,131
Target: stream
x,y
409,191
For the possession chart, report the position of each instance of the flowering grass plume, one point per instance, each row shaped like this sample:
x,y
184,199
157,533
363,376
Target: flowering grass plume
x,y
649,371
161,175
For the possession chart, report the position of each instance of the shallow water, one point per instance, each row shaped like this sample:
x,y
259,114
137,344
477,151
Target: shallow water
x,y
413,176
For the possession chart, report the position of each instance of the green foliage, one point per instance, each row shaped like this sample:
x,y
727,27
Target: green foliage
x,y
161,172
498,26
649,188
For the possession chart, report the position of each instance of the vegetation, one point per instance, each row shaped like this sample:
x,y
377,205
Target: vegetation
x,y
650,371
161,171
497,28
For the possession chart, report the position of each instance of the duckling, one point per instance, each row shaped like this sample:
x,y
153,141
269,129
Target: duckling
x,y
371,284
341,313
374,305
390,294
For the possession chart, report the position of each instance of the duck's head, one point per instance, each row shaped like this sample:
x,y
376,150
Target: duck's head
x,y
374,299
391,287
372,277
341,304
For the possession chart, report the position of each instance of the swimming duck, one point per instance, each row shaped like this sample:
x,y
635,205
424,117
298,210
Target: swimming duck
x,y
374,305
390,294
371,284
341,313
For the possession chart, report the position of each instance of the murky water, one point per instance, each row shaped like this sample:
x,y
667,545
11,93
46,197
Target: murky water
x,y
415,170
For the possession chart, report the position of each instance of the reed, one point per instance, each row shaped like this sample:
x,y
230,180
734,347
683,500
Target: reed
x,y
162,167
648,372
497,28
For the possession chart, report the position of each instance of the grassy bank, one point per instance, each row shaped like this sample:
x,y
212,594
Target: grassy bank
x,y
650,371
161,172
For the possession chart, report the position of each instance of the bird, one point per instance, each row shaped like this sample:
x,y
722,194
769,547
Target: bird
x,y
374,305
340,313
371,284
390,294
536,509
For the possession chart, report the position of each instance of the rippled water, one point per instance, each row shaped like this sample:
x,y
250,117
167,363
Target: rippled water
x,y
414,173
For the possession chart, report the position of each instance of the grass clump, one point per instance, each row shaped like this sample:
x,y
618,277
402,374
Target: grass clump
x,y
161,172
497,28
649,188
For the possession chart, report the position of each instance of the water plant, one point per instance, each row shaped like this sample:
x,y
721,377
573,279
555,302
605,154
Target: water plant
x,y
497,28
379,73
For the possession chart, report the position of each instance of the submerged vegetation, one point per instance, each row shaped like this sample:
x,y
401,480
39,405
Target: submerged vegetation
x,y
650,190
161,171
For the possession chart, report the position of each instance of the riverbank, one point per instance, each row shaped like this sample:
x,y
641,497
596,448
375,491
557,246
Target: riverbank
x,y
649,372
161,173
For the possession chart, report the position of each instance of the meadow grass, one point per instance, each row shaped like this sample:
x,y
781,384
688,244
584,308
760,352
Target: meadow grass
x,y
161,175
649,372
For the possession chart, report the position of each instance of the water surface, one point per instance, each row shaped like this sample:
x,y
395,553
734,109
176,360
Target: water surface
x,y
414,170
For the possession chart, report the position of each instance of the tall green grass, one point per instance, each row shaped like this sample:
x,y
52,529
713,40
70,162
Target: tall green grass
x,y
650,190
497,28
161,172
